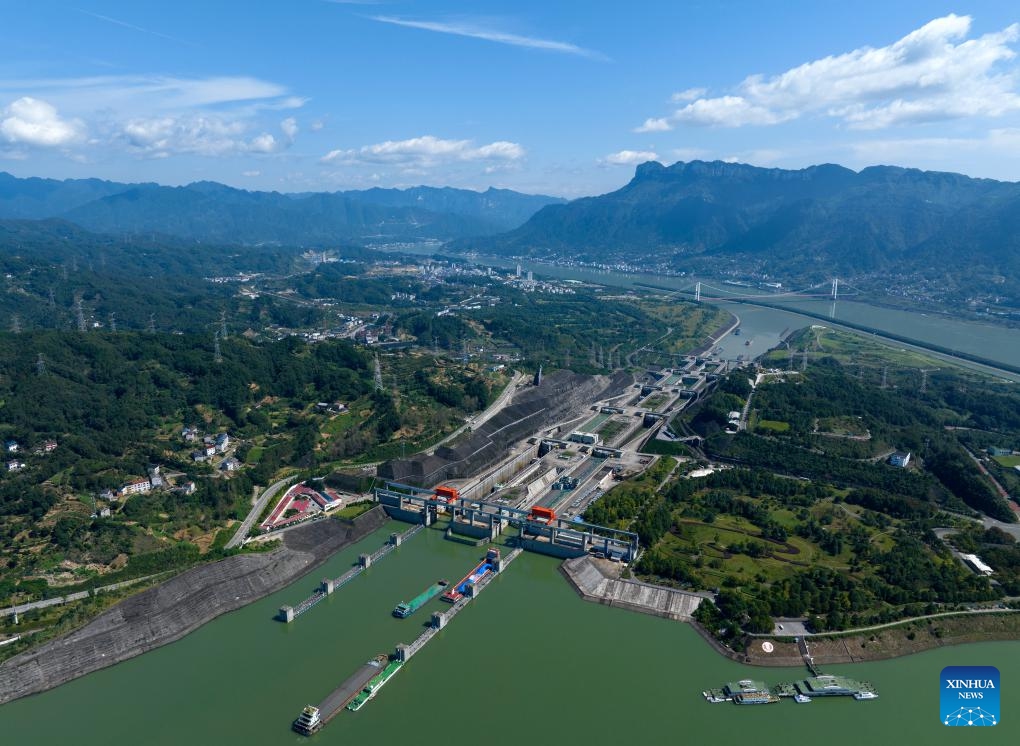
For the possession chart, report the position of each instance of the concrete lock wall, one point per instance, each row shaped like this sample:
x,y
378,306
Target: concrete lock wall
x,y
540,484
553,550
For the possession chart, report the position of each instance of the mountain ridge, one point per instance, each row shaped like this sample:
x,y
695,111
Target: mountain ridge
x,y
209,211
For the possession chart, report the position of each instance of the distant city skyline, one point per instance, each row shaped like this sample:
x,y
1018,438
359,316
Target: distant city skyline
x,y
556,98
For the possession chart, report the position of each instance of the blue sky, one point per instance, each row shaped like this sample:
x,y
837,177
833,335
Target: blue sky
x,y
562,98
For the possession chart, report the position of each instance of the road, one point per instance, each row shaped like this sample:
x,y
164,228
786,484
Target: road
x,y
480,419
58,600
242,531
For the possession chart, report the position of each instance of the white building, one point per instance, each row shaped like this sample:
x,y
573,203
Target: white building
x,y
900,458
976,564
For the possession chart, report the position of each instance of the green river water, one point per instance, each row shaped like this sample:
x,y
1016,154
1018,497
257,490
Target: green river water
x,y
528,661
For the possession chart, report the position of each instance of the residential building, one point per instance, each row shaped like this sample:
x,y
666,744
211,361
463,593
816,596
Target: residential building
x,y
222,442
15,465
11,446
900,459
230,464
136,487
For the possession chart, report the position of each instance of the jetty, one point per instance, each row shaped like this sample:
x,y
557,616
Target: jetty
x,y
330,585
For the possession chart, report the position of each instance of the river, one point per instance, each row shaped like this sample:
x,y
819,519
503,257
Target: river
x,y
528,661
990,341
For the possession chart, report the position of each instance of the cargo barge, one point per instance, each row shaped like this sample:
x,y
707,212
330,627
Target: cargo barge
x,y
312,718
372,687
404,610
483,568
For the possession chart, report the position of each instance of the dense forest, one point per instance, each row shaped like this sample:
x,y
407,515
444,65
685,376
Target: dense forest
x,y
804,516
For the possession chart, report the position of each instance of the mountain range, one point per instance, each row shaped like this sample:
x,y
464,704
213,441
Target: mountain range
x,y
823,219
211,212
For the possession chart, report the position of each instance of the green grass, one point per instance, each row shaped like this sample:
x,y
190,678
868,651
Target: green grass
x,y
254,454
774,425
1008,461
353,511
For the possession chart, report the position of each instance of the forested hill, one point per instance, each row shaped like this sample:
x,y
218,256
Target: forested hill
x,y
824,217
212,212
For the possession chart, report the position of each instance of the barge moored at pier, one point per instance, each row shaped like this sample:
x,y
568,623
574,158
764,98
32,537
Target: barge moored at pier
x,y
312,718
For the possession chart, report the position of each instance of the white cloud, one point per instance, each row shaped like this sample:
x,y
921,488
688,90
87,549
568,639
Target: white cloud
x,y
289,127
476,31
251,174
30,121
630,157
655,124
933,73
688,95
426,151
151,115
204,135
136,94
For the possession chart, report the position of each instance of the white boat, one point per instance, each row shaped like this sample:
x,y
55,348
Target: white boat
x,y
801,699
865,695
309,721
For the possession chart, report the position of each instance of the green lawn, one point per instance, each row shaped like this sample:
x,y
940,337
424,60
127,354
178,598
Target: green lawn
x,y
1008,461
773,425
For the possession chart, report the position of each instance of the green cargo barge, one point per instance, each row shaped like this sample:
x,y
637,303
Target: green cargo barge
x,y
404,610
373,686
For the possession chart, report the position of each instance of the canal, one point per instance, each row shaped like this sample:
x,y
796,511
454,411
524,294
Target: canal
x,y
527,662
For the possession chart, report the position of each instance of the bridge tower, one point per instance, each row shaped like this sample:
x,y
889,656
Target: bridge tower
x,y
835,288
697,293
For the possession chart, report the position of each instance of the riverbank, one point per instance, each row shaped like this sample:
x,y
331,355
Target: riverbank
x,y
167,612
594,584
714,338
890,642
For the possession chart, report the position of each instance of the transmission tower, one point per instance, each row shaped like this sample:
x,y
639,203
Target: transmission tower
x,y
113,322
79,313
217,355
223,324
40,364
15,324
803,361
924,378
885,377
152,323
378,374
53,299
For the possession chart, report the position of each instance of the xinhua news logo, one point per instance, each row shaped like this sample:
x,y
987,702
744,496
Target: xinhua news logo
x,y
970,695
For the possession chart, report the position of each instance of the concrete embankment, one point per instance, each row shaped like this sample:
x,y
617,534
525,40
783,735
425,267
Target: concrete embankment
x,y
167,612
594,585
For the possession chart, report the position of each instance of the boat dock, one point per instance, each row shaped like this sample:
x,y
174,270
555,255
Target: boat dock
x,y
346,693
441,618
329,585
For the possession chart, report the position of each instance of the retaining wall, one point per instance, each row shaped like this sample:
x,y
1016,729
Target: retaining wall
x,y
589,581
169,611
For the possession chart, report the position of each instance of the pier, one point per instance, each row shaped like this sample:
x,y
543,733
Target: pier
x,y
329,585
442,618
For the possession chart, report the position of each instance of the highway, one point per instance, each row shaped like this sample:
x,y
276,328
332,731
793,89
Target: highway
x,y
481,418
57,600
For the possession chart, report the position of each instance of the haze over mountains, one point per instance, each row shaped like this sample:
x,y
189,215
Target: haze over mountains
x,y
952,231
212,212
825,217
